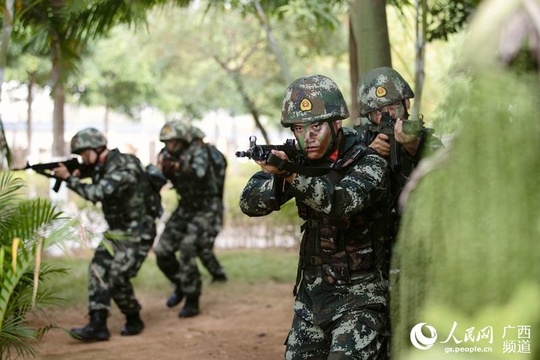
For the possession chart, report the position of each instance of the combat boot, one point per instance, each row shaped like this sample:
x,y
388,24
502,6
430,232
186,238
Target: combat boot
x,y
133,326
175,299
96,330
191,307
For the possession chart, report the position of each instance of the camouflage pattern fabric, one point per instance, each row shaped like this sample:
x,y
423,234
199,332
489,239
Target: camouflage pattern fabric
x,y
342,301
89,138
312,99
194,225
428,145
358,334
381,87
175,130
119,184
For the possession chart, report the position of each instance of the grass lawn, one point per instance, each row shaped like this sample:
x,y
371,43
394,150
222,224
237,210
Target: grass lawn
x,y
243,266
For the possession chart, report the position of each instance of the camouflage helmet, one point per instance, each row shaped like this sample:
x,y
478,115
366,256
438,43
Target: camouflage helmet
x,y
175,130
89,138
313,99
381,87
196,133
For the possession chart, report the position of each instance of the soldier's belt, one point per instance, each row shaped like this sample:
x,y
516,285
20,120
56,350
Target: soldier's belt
x,y
344,223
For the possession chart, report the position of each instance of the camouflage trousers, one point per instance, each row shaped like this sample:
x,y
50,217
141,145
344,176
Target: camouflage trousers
x,y
192,233
111,270
348,321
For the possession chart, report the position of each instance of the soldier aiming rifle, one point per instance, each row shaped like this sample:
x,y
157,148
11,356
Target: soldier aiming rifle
x,y
47,169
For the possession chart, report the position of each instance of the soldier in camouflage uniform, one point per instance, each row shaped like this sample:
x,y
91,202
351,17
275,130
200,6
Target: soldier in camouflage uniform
x,y
384,90
341,305
219,168
119,182
190,165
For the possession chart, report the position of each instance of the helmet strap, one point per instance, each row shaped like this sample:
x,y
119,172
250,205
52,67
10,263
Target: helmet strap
x,y
335,136
404,104
98,152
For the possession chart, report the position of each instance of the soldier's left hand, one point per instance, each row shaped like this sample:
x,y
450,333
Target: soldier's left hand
x,y
61,172
271,169
409,141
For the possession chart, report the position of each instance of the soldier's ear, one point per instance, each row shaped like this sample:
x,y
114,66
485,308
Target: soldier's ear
x,y
408,103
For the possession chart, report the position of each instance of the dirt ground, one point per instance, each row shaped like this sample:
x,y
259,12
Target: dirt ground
x,y
237,322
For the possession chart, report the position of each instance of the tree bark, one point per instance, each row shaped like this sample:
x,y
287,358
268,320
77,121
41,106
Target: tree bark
x,y
369,41
353,70
420,45
235,73
29,103
59,99
7,28
251,106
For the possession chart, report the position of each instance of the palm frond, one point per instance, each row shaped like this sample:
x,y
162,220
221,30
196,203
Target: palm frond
x,y
31,216
59,231
9,187
11,278
19,338
31,221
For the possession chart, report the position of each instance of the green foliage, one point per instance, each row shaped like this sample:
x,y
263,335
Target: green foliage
x,y
311,18
242,266
521,309
26,228
448,17
198,72
126,87
469,234
444,17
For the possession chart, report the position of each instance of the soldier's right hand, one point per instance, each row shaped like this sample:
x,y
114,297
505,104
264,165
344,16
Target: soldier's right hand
x,y
381,144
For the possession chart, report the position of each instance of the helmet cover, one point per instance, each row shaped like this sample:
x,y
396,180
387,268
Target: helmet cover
x,y
381,87
89,138
313,99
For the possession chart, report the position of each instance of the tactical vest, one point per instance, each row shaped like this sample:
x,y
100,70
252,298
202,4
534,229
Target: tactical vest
x,y
340,250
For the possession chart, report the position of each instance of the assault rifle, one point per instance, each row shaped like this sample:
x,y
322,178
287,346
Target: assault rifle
x,y
46,169
296,163
262,152
386,126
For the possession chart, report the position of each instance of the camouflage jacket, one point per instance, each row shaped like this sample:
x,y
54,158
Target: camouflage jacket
x,y
196,181
428,145
347,215
119,185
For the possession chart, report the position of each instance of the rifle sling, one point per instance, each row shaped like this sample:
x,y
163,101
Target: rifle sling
x,y
286,165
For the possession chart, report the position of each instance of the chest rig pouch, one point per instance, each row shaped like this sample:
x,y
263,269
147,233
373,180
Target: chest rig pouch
x,y
337,250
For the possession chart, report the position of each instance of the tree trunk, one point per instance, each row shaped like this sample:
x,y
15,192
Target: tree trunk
x,y
249,103
29,102
7,28
353,70
251,106
370,41
420,45
59,99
